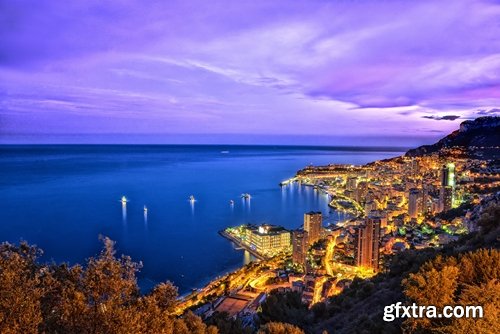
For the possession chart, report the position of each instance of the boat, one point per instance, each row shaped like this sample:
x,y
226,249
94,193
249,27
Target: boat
x,y
145,209
246,196
124,200
192,199
231,202
224,152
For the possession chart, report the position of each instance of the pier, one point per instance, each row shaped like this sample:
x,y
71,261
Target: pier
x,y
241,245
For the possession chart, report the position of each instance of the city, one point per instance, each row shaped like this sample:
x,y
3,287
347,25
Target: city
x,y
407,202
250,167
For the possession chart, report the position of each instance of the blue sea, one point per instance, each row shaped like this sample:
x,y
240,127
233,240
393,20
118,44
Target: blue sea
x,y
61,198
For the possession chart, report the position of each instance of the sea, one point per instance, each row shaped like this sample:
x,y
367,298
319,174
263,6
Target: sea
x,y
63,197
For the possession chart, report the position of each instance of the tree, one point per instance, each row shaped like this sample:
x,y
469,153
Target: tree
x,y
20,289
102,297
110,290
468,279
279,328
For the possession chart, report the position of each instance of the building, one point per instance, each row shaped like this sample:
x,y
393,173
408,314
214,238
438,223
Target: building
x,y
351,183
367,243
447,187
267,240
413,203
313,222
309,286
370,206
446,198
448,175
299,247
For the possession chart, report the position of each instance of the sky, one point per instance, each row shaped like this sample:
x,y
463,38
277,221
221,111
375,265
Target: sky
x,y
287,72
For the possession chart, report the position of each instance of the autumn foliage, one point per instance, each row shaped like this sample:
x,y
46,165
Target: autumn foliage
x,y
469,279
102,297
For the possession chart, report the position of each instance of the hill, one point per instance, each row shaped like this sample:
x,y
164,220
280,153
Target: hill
x,y
479,138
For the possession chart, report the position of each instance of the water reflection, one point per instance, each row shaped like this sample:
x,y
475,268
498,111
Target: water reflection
x,y
124,212
247,257
191,204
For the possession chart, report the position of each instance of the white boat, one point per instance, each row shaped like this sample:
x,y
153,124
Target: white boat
x,y
246,196
231,202
224,152
145,209
192,199
124,200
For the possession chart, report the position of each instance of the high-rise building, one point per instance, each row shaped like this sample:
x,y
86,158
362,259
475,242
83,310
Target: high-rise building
x,y
446,198
367,243
414,166
448,175
370,206
447,187
313,225
413,203
299,246
361,191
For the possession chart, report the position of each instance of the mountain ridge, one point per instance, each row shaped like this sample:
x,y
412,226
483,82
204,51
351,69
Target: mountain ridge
x,y
478,138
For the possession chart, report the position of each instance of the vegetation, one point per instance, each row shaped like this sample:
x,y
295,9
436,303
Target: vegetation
x,y
468,279
103,297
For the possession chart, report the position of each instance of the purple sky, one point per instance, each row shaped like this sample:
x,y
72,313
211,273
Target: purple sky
x,y
396,72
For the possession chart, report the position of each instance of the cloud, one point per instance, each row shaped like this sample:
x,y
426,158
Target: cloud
x,y
316,66
442,118
492,112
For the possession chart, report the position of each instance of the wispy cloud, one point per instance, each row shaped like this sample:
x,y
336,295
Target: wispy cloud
x,y
442,118
255,67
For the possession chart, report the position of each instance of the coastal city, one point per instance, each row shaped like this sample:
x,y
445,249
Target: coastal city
x,y
407,202
250,167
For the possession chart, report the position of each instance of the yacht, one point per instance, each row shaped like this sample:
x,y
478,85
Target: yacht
x,y
145,209
124,200
246,196
192,199
231,202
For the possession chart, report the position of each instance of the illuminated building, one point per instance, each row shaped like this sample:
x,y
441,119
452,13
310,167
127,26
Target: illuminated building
x,y
361,191
299,246
313,225
267,240
446,198
448,175
447,187
367,243
413,203
309,286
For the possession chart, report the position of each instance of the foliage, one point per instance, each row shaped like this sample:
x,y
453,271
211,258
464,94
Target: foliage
x,y
468,279
279,328
226,324
283,307
103,297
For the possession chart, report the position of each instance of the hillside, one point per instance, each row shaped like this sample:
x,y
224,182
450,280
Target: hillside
x,y
479,138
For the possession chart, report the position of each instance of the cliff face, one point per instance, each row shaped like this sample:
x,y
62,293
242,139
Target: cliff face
x,y
481,134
